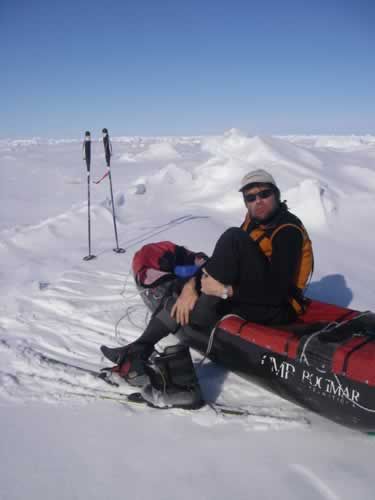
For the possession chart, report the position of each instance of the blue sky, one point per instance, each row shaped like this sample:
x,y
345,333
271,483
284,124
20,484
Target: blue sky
x,y
171,67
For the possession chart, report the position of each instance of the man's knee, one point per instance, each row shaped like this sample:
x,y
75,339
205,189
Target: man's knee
x,y
232,240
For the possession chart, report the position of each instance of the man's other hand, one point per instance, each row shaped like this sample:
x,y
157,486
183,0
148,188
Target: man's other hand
x,y
185,303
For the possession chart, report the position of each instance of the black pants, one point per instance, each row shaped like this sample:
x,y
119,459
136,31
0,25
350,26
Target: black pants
x,y
237,261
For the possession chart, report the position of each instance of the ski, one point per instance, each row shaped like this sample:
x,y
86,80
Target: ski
x,y
104,374
225,410
136,398
221,410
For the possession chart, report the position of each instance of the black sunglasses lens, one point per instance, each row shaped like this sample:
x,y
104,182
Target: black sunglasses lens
x,y
250,197
266,193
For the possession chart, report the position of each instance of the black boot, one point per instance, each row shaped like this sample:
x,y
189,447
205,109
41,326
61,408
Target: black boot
x,y
173,382
130,361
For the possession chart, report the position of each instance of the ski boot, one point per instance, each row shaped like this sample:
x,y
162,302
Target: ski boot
x,y
130,362
173,382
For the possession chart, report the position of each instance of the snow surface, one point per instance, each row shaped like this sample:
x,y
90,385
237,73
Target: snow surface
x,y
63,436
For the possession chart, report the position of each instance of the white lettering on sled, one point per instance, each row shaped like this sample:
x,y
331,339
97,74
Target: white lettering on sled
x,y
319,384
334,388
282,369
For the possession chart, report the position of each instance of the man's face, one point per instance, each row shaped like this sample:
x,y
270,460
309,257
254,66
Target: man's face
x,y
262,207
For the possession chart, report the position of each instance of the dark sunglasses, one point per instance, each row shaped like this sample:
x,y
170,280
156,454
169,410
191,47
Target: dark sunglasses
x,y
266,193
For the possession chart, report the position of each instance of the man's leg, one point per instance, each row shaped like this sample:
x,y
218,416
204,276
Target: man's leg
x,y
237,258
161,324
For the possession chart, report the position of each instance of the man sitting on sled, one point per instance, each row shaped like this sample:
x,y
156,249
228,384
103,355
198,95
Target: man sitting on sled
x,y
258,271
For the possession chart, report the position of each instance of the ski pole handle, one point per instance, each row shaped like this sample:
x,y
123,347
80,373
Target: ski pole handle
x,y
107,147
87,150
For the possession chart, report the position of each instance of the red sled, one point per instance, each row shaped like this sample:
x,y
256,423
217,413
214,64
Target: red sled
x,y
324,362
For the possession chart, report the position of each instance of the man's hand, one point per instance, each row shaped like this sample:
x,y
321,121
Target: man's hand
x,y
210,286
185,303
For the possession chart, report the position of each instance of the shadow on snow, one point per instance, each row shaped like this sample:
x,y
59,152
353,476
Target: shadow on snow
x,y
332,289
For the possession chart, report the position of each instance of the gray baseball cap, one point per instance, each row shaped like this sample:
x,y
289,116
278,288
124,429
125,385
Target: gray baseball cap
x,y
257,177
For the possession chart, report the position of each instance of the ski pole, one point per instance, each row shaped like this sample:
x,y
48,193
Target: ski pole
x,y
87,157
108,154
